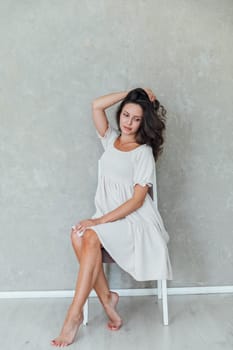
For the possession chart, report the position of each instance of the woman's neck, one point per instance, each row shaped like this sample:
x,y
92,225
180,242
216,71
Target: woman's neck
x,y
123,139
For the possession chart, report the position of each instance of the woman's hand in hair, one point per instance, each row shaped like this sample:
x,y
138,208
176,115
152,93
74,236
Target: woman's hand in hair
x,y
150,94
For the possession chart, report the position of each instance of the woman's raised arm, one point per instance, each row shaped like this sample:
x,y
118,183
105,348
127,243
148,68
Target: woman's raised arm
x,y
98,109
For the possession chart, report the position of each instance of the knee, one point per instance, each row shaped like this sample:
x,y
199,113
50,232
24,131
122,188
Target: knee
x,y
74,238
72,235
90,238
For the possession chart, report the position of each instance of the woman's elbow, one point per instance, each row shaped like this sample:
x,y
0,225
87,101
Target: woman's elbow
x,y
95,104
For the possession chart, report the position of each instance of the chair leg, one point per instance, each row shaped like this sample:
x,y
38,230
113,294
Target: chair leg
x,y
85,313
159,288
164,301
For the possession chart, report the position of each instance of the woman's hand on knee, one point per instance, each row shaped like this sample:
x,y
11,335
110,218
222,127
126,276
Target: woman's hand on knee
x,y
81,226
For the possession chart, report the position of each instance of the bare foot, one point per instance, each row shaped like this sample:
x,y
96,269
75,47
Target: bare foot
x,y
69,330
115,322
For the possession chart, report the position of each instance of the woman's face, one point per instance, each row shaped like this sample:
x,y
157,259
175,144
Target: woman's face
x,y
130,118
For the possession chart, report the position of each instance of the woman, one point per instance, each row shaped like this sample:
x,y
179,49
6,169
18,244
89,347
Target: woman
x,y
126,222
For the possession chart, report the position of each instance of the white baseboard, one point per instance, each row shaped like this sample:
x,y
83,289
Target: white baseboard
x,y
121,292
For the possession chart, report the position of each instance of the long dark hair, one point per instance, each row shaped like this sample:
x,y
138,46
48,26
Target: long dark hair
x,y
152,126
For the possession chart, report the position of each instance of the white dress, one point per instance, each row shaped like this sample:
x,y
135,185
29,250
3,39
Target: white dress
x,y
137,242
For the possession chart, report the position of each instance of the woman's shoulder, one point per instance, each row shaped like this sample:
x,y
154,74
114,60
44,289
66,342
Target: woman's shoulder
x,y
110,135
110,131
144,150
142,155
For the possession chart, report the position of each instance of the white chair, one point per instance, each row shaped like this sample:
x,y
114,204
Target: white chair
x,y
161,284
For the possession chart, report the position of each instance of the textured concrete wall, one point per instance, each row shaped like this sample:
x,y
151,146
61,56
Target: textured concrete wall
x,y
56,56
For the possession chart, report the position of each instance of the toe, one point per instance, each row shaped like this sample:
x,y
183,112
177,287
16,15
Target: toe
x,y
113,327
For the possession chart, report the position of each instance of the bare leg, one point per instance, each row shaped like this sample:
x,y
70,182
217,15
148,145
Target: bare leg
x,y
90,264
107,298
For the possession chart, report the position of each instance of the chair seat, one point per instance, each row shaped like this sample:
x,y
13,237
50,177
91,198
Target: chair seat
x,y
106,258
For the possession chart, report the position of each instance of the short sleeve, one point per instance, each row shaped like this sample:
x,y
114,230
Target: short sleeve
x,y
144,168
109,136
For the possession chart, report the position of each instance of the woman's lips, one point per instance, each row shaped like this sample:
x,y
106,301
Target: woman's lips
x,y
127,128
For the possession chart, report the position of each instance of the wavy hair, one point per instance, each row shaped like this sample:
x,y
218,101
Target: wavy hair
x,y
152,127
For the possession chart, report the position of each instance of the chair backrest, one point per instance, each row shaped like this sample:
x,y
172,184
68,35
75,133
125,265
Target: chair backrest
x,y
153,190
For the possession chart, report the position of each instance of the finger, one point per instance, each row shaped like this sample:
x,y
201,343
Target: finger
x,y
75,227
153,97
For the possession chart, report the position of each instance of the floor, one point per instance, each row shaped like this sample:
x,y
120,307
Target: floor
x,y
195,322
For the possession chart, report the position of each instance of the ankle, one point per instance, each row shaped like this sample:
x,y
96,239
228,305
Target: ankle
x,y
75,315
76,318
105,299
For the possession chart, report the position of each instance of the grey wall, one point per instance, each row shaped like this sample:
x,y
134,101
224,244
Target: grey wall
x,y
56,57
